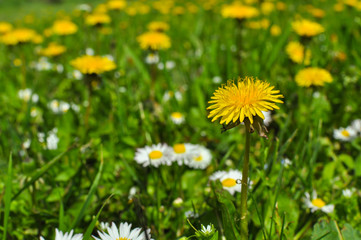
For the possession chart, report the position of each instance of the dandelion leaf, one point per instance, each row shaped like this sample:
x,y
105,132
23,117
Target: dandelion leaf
x,y
326,231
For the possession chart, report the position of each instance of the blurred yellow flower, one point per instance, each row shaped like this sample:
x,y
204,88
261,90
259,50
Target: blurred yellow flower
x,y
154,41
239,11
53,49
19,35
64,27
101,8
275,30
261,24
246,98
116,4
267,7
307,28
97,19
5,27
281,6
93,64
179,10
158,26
38,39
313,76
296,52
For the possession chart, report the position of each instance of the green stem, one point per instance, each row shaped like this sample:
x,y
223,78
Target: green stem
x,y
244,222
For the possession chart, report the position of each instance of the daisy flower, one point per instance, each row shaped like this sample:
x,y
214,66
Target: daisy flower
x,y
152,58
356,125
27,95
228,180
154,155
59,235
345,134
183,152
317,203
177,118
201,159
124,232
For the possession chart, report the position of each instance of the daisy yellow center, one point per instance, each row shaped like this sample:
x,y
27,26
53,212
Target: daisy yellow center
x,y
177,115
345,133
243,99
199,158
123,238
229,182
317,202
154,155
179,148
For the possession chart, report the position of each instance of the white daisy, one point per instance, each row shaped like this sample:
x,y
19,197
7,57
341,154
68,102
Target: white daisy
x,y
89,51
286,162
356,125
154,155
348,192
317,203
152,58
202,159
59,106
344,134
59,235
267,117
124,232
207,230
52,140
27,95
177,118
229,180
216,79
183,152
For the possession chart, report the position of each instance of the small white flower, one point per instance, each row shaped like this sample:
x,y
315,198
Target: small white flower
x,y
26,143
41,136
76,74
348,192
122,89
75,107
89,51
34,112
132,192
207,230
52,140
59,235
169,65
191,214
229,180
316,94
59,68
110,57
317,203
286,162
59,106
178,202
201,159
84,7
267,117
344,134
27,94
103,226
123,232
152,58
183,152
43,64
177,118
154,155
216,79
356,125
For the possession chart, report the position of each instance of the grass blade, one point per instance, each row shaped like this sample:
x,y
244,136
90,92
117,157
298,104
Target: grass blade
x,y
91,192
8,186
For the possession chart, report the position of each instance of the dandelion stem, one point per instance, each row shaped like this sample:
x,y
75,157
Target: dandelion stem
x,y
244,221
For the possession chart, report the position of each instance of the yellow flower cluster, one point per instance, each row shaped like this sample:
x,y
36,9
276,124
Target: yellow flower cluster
x,y
307,28
20,35
52,50
313,76
64,27
93,64
296,52
154,40
239,11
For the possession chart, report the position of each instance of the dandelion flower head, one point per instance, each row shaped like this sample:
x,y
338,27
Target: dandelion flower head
x,y
239,11
245,98
116,4
154,40
5,27
64,27
296,53
53,49
313,76
93,64
19,35
158,26
307,28
97,18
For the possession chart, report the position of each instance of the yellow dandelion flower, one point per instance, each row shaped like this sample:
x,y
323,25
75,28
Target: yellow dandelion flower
x,y
296,52
281,6
101,8
239,11
116,4
19,35
307,28
97,18
158,26
275,30
261,24
5,27
93,64
52,50
244,99
267,7
64,27
313,76
154,41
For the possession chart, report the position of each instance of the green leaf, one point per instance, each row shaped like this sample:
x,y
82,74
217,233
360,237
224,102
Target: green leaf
x,y
358,166
328,171
349,233
91,192
8,187
347,160
326,231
